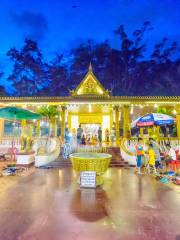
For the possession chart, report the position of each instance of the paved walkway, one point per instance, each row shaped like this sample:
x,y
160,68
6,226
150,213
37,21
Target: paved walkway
x,y
48,205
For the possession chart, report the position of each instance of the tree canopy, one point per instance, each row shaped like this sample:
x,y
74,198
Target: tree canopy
x,y
125,70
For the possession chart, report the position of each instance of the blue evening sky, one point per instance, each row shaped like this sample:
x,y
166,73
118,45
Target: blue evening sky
x,y
62,24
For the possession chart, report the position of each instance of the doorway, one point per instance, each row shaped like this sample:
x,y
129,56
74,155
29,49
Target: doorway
x,y
90,129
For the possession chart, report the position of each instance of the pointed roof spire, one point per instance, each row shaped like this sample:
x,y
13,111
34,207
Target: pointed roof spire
x,y
90,67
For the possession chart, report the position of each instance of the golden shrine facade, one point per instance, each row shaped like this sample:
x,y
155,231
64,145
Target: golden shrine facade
x,y
90,103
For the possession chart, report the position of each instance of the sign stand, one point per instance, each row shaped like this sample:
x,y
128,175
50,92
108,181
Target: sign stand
x,y
88,179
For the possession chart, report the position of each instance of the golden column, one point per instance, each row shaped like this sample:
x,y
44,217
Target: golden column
x,y
38,128
1,127
23,126
178,121
63,115
142,132
158,132
116,108
126,122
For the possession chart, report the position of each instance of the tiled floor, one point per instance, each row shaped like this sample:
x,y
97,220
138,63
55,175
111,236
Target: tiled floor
x,y
48,205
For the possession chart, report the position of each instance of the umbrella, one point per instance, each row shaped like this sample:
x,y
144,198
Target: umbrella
x,y
18,114
151,119
133,124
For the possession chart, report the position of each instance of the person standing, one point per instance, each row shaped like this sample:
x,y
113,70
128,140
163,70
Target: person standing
x,y
156,149
139,155
107,135
66,135
79,134
152,158
112,135
100,135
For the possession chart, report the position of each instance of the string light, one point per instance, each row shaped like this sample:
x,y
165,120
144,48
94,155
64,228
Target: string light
x,y
155,105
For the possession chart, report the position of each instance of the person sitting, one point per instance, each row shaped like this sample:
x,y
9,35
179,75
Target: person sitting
x,y
177,152
83,140
88,140
94,140
107,134
170,155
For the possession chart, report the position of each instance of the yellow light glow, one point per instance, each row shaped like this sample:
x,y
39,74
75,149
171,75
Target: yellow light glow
x,y
155,105
174,111
105,125
90,108
74,122
132,110
100,91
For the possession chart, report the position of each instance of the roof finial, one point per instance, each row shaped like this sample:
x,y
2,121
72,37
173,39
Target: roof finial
x,y
90,67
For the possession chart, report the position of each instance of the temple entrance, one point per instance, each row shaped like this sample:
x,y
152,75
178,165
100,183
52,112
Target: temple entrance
x,y
90,130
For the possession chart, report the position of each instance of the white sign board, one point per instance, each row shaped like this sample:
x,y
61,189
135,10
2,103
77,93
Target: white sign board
x,y
88,179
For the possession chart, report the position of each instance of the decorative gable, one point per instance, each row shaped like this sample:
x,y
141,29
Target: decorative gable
x,y
90,86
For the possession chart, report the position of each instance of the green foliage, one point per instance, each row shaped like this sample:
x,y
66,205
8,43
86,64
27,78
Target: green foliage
x,y
162,110
165,110
49,112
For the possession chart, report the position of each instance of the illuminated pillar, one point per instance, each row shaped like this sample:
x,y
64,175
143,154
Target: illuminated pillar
x,y
158,132
1,127
23,127
178,121
38,129
141,132
63,122
116,108
126,122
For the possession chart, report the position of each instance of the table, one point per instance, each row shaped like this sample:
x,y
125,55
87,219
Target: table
x,y
88,161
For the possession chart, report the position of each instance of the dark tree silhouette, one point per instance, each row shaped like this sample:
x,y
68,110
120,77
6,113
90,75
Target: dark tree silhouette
x,y
58,76
96,53
124,71
2,89
29,71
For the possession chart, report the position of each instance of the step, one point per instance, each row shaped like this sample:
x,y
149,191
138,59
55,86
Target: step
x,y
116,161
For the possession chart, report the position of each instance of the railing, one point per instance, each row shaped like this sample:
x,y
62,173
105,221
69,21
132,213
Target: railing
x,y
128,144
90,149
9,140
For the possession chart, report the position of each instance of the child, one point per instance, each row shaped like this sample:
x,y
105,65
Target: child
x,y
152,159
139,154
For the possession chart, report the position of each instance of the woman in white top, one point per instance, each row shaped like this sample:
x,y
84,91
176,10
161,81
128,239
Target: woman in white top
x,y
172,154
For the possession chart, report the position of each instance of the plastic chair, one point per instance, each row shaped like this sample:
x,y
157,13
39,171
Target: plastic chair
x,y
174,164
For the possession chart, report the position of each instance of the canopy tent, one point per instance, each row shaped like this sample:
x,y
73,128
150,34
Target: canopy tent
x,y
153,119
15,113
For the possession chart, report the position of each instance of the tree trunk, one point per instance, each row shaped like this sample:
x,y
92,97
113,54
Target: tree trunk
x,y
53,127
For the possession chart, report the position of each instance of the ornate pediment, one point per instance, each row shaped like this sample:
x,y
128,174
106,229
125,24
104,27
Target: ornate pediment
x,y
90,86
